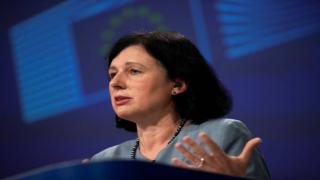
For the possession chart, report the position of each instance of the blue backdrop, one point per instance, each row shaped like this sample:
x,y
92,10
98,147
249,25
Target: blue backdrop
x,y
54,99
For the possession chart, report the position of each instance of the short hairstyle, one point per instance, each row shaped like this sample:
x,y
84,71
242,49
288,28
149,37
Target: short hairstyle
x,y
205,97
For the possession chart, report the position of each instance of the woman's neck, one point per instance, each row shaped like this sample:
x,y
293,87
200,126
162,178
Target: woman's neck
x,y
155,136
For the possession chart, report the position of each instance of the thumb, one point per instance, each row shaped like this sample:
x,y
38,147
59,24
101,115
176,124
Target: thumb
x,y
248,148
85,161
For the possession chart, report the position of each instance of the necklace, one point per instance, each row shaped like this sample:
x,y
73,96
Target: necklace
x,y
135,147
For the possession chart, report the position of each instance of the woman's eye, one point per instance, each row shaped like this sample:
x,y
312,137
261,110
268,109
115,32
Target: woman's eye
x,y
134,71
111,75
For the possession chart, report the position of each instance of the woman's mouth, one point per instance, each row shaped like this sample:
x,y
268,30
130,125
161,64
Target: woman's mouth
x,y
121,100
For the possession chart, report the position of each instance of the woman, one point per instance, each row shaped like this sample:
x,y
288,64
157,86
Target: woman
x,y
161,87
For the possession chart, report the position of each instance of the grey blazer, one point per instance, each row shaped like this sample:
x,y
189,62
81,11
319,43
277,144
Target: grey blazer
x,y
231,136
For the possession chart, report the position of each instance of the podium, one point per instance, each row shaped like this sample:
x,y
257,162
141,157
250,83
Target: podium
x,y
117,170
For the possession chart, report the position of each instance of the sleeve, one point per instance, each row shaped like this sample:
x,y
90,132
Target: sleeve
x,y
234,136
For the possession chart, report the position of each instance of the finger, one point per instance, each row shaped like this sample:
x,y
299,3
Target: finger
x,y
197,149
179,163
211,144
248,148
186,153
182,164
85,161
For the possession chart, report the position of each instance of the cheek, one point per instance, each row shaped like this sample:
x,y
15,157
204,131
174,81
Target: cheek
x,y
146,86
154,90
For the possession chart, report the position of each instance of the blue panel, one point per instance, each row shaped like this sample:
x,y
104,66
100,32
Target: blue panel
x,y
228,7
200,29
269,41
98,96
90,8
47,67
250,26
45,64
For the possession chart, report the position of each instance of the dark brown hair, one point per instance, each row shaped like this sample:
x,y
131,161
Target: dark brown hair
x,y
205,98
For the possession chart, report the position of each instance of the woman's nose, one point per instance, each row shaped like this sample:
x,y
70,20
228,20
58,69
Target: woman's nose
x,y
118,82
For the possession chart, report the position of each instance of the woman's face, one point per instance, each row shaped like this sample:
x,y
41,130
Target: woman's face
x,y
139,86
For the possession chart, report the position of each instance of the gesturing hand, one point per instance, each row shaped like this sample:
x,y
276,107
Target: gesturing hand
x,y
83,161
216,161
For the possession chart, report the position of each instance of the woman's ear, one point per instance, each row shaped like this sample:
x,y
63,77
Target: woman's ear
x,y
179,86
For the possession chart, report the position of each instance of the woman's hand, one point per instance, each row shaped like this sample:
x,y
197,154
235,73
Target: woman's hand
x,y
83,161
215,161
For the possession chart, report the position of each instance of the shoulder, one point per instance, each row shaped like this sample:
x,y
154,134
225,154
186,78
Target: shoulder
x,y
120,151
223,122
225,125
226,132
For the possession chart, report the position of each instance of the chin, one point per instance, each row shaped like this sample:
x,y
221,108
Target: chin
x,y
124,115
128,116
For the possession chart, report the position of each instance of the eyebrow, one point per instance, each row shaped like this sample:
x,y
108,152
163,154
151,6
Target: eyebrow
x,y
127,64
